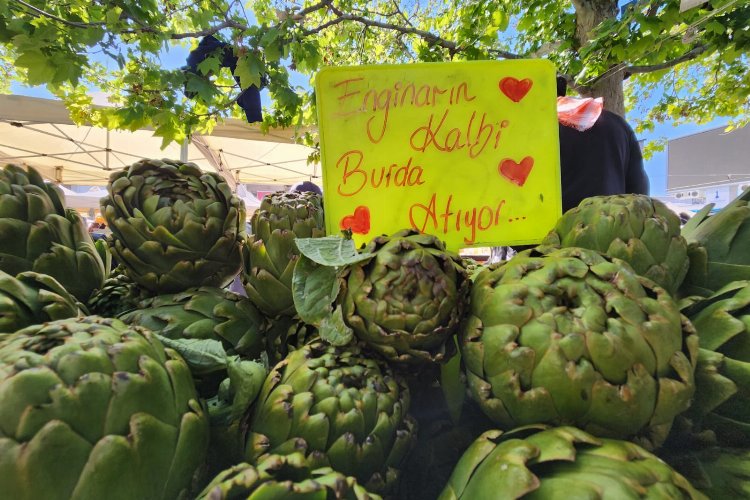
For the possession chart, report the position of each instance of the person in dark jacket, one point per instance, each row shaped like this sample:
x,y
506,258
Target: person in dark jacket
x,y
301,187
604,159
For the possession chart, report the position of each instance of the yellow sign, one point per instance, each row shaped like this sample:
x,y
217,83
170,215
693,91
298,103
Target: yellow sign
x,y
467,151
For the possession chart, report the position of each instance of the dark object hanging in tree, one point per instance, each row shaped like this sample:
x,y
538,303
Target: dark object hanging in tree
x,y
249,99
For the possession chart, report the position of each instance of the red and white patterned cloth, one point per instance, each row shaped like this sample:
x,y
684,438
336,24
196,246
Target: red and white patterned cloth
x,y
579,113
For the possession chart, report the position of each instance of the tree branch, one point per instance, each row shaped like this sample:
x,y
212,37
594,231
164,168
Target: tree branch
x,y
314,7
341,17
401,13
43,13
323,26
504,54
425,35
653,8
229,23
687,56
629,70
429,37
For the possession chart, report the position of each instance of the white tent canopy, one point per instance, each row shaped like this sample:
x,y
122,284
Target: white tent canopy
x,y
39,132
86,199
252,203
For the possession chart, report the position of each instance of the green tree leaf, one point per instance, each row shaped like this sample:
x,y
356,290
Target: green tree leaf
x,y
209,66
690,66
249,70
39,68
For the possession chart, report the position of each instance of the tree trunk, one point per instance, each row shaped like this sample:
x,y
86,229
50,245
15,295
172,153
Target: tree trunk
x,y
589,13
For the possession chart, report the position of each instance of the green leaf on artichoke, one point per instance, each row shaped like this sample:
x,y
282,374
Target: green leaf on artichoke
x,y
238,391
201,355
331,251
334,330
245,382
314,288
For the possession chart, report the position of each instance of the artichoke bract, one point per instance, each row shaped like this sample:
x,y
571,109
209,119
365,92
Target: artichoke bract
x,y
635,228
345,410
174,227
573,338
93,408
283,477
40,235
118,295
204,313
562,462
31,298
720,473
722,377
719,246
271,253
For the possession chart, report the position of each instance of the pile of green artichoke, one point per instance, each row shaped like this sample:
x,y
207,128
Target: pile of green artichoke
x,y
394,370
272,253
38,234
174,227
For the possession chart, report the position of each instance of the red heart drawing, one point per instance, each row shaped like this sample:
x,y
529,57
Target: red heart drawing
x,y
359,223
516,172
515,89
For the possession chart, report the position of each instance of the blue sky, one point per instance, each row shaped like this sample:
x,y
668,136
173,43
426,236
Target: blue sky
x,y
656,167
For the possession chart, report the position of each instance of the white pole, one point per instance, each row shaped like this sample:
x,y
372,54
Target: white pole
x,y
106,154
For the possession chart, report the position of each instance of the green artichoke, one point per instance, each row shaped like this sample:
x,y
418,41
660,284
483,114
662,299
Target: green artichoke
x,y
118,295
722,377
39,235
719,246
346,411
535,462
404,296
204,313
573,338
93,408
31,298
173,226
283,477
640,230
271,252
720,473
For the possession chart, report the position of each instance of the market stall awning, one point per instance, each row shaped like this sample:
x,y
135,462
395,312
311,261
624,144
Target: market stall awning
x,y
40,133
252,203
86,199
